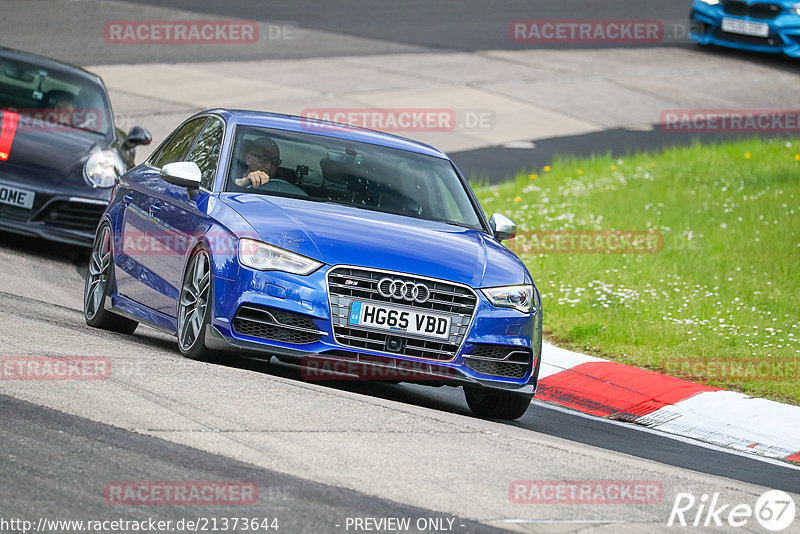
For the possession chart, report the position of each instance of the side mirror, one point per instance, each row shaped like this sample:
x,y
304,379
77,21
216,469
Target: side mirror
x,y
502,226
183,173
137,136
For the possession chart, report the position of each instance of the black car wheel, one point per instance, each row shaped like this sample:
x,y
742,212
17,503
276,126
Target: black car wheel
x,y
496,405
194,307
99,283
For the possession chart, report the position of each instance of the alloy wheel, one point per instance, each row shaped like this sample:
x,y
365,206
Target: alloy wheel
x,y
193,300
99,269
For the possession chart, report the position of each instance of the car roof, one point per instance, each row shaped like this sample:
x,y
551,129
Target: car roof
x,y
295,123
48,63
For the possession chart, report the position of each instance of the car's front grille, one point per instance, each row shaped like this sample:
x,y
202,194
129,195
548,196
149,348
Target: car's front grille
x,y
414,347
735,7
504,369
499,360
763,11
349,284
72,215
23,214
275,325
374,367
16,213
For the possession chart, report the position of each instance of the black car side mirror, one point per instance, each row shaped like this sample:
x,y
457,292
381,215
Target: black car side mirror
x,y
137,136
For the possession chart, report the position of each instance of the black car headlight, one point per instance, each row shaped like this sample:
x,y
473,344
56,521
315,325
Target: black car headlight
x,y
521,298
266,257
102,168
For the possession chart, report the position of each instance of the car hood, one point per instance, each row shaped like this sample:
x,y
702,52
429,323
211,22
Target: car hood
x,y
47,158
344,235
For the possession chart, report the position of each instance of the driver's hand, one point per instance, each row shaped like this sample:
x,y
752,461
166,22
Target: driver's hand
x,y
256,178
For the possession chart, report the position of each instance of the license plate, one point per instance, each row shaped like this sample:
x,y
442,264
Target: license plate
x,y
14,196
745,27
400,320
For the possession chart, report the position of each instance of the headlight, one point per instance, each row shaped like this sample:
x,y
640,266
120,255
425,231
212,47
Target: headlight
x,y
520,298
710,2
103,168
264,257
795,9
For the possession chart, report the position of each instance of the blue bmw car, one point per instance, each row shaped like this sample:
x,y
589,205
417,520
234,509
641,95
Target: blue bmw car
x,y
353,253
759,26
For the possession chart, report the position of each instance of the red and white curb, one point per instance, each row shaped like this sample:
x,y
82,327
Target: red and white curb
x,y
609,389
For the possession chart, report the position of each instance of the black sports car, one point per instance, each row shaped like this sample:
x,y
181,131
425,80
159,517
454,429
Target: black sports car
x,y
60,152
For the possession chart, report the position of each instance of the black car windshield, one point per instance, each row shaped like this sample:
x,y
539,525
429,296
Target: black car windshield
x,y
49,99
326,169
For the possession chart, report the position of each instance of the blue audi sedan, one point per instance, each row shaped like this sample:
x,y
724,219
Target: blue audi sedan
x,y
351,253
759,26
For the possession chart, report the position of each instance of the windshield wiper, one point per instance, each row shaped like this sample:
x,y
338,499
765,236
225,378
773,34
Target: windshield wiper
x,y
83,129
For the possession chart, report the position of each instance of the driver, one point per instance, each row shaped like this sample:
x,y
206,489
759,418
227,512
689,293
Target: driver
x,y
60,100
60,107
261,162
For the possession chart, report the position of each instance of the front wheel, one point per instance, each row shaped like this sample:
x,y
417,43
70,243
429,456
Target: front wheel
x,y
99,282
194,307
496,404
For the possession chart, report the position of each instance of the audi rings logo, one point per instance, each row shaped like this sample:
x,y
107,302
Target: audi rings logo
x,y
403,290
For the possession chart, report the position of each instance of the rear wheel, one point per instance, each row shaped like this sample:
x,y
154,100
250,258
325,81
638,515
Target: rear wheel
x,y
99,282
496,404
194,307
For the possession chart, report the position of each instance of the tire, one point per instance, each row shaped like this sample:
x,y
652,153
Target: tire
x,y
99,282
194,307
495,404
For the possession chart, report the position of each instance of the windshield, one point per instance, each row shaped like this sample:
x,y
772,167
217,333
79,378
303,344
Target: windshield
x,y
52,100
365,176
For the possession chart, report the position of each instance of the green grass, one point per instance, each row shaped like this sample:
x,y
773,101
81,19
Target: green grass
x,y
722,296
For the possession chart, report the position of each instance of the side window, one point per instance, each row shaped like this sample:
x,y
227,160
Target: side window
x,y
205,151
446,203
179,143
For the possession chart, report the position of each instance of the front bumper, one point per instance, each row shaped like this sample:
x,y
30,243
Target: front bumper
x,y
290,317
783,37
67,219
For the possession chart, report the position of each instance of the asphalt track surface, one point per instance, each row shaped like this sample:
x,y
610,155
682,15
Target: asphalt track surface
x,y
354,27
499,163
474,25
56,464
59,465
445,25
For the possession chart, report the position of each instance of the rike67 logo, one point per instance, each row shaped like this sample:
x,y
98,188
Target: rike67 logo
x,y
774,510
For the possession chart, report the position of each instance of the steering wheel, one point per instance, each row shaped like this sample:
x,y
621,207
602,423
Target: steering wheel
x,y
282,186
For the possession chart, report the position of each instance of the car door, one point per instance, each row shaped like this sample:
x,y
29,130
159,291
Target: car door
x,y
134,219
177,219
151,287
